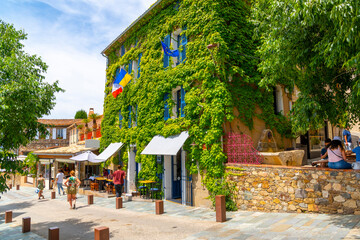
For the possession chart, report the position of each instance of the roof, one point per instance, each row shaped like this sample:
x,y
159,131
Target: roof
x,y
122,36
58,122
70,150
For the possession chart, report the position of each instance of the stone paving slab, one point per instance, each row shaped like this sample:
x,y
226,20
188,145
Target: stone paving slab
x,y
241,224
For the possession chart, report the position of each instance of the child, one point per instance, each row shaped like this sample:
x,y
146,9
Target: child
x,y
357,151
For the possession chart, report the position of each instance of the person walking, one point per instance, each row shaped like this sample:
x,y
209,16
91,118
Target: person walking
x,y
347,138
59,181
72,183
41,186
118,179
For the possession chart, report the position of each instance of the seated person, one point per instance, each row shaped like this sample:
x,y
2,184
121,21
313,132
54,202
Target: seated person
x,y
105,173
336,156
110,176
323,151
357,151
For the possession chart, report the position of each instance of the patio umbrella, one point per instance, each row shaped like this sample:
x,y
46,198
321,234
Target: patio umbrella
x,y
85,156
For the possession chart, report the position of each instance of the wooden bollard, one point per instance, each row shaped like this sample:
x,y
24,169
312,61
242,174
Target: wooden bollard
x,y
10,186
119,202
90,199
220,208
159,207
17,187
54,233
8,216
26,224
102,233
53,194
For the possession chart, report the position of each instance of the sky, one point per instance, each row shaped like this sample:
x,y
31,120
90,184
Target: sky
x,y
69,36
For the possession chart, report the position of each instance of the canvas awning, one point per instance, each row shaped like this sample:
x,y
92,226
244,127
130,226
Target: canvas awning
x,y
108,152
160,145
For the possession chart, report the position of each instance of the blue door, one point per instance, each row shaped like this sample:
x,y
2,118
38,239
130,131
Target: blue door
x,y
176,176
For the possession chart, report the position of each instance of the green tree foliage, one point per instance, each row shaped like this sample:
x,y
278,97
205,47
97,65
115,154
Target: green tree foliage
x,y
24,96
81,114
314,45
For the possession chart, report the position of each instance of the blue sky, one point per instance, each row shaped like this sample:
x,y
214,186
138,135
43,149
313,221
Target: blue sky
x,y
69,35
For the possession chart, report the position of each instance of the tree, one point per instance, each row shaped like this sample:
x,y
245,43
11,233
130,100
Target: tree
x,y
24,97
314,45
81,114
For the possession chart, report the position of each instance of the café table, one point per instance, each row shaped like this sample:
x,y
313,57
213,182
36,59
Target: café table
x,y
101,182
146,183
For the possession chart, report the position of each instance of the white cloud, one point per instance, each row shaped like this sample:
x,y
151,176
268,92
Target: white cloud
x,y
69,35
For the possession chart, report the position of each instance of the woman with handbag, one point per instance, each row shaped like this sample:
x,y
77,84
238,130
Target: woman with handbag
x,y
72,183
336,155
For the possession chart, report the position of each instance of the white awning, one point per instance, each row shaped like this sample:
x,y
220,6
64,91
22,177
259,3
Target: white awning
x,y
64,160
160,145
108,152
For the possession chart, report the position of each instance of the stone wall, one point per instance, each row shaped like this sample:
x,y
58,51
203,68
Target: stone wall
x,y
295,189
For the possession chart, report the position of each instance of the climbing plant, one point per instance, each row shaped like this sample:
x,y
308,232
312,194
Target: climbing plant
x,y
215,82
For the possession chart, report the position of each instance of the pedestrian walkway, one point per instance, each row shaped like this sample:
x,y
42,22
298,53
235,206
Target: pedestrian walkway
x,y
240,225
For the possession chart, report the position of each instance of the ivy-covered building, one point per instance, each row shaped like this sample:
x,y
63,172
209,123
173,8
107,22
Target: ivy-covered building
x,y
196,99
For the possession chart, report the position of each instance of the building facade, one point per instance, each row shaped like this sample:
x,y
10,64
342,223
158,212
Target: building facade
x,y
174,116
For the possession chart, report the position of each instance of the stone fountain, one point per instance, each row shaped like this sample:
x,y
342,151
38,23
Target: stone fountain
x,y
268,149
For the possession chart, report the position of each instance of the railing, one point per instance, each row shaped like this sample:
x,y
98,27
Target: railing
x,y
189,191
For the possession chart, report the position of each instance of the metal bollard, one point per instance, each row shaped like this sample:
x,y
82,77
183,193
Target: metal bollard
x,y
119,203
102,233
90,199
159,207
220,208
8,216
54,233
26,224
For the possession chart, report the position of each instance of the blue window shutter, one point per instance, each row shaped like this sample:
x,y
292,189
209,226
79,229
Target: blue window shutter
x,y
178,46
183,104
138,73
130,67
122,51
166,58
166,107
120,119
129,108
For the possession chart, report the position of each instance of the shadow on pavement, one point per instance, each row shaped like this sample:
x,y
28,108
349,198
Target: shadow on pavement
x,y
345,221
16,206
70,228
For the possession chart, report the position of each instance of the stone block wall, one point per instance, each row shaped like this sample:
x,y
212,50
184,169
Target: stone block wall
x,y
273,188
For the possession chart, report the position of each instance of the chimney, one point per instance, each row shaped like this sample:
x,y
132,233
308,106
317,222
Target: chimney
x,y
91,111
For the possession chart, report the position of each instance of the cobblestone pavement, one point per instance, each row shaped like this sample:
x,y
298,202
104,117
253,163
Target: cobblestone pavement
x,y
240,225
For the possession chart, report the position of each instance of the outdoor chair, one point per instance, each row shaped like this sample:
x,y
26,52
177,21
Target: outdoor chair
x,y
155,191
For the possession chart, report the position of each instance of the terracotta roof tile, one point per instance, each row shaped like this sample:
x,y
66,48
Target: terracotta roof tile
x,y
58,122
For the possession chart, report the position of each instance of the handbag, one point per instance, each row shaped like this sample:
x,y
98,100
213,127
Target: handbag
x,y
37,190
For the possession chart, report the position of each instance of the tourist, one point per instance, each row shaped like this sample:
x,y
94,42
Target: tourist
x,y
118,179
347,138
336,155
72,183
41,186
59,181
357,152
323,151
105,173
110,183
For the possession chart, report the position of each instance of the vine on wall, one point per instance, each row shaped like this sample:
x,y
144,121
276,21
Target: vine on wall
x,y
214,82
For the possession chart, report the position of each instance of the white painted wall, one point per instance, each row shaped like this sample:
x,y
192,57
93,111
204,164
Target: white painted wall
x,y
131,171
167,178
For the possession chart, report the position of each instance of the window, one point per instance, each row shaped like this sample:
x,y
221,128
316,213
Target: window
x,y
120,119
166,107
61,133
130,67
179,99
182,41
122,51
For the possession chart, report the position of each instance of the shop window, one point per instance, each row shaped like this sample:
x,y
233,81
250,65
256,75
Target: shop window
x,y
178,95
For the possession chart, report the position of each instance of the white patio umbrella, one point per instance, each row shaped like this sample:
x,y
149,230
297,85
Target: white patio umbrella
x,y
85,156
